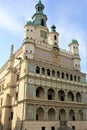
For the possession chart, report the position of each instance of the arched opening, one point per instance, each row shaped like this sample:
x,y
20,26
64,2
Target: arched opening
x,y
72,115
40,114
55,37
71,77
78,78
43,71
62,115
51,114
38,70
78,97
80,115
53,73
70,96
58,74
74,77
61,95
48,72
42,22
67,76
40,92
51,94
63,75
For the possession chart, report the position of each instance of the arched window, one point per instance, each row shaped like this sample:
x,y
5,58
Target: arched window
x,y
51,94
38,70
63,75
67,76
80,115
78,78
71,77
48,72
51,114
78,97
58,74
74,77
40,114
61,95
43,71
62,115
72,115
70,96
53,73
40,92
42,22
55,38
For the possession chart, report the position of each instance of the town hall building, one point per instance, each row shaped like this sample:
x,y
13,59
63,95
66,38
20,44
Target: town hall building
x,y
41,84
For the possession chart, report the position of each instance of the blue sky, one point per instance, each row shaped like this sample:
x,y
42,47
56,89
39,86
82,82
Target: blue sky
x,y
69,16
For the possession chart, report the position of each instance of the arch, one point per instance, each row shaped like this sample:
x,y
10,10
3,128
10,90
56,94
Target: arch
x,y
48,72
78,97
62,115
53,73
42,22
51,114
61,95
58,74
62,75
78,78
80,115
74,77
37,69
43,71
40,92
71,77
70,96
72,115
67,76
55,37
40,114
51,94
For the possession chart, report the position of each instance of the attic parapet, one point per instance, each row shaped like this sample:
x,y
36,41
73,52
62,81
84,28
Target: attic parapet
x,y
65,51
43,43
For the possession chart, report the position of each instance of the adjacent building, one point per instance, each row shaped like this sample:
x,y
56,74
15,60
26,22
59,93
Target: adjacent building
x,y
42,84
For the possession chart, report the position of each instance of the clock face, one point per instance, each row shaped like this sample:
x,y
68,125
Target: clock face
x,y
55,51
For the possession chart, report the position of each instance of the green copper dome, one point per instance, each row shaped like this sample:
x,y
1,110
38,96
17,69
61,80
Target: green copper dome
x,y
29,23
53,28
74,41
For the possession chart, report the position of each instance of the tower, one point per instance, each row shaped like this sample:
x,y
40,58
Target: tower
x,y
39,18
74,49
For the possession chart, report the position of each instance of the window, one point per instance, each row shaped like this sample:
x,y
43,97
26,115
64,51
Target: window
x,y
67,76
16,96
48,72
43,71
78,79
42,22
62,75
71,77
73,127
53,73
37,70
55,38
17,77
27,30
36,117
52,128
11,115
58,74
37,93
43,128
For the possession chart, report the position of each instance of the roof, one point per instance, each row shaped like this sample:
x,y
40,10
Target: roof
x,y
74,41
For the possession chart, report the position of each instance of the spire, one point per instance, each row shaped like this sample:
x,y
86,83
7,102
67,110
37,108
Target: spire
x,y
12,49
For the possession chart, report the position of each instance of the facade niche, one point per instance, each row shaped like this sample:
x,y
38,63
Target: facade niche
x,y
78,97
70,96
72,115
62,115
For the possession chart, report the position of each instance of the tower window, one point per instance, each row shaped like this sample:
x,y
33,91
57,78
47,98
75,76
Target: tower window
x,y
42,22
11,115
55,38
